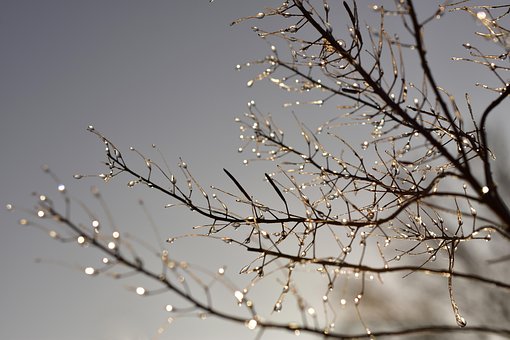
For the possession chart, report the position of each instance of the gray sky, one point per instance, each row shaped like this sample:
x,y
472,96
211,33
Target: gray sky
x,y
141,72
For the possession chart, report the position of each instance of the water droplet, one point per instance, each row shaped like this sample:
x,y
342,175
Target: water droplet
x,y
278,307
460,320
112,245
169,308
260,15
140,291
131,183
485,189
78,176
251,324
250,83
343,302
90,271
239,295
481,15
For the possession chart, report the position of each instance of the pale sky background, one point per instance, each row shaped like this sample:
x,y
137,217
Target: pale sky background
x,y
141,72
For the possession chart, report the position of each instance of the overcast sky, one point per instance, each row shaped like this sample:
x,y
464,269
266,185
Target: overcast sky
x,y
141,72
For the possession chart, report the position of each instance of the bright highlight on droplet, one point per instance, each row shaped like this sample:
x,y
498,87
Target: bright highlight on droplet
x,y
90,271
169,308
481,15
485,189
112,245
40,213
251,324
239,296
116,234
140,291
81,240
61,187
